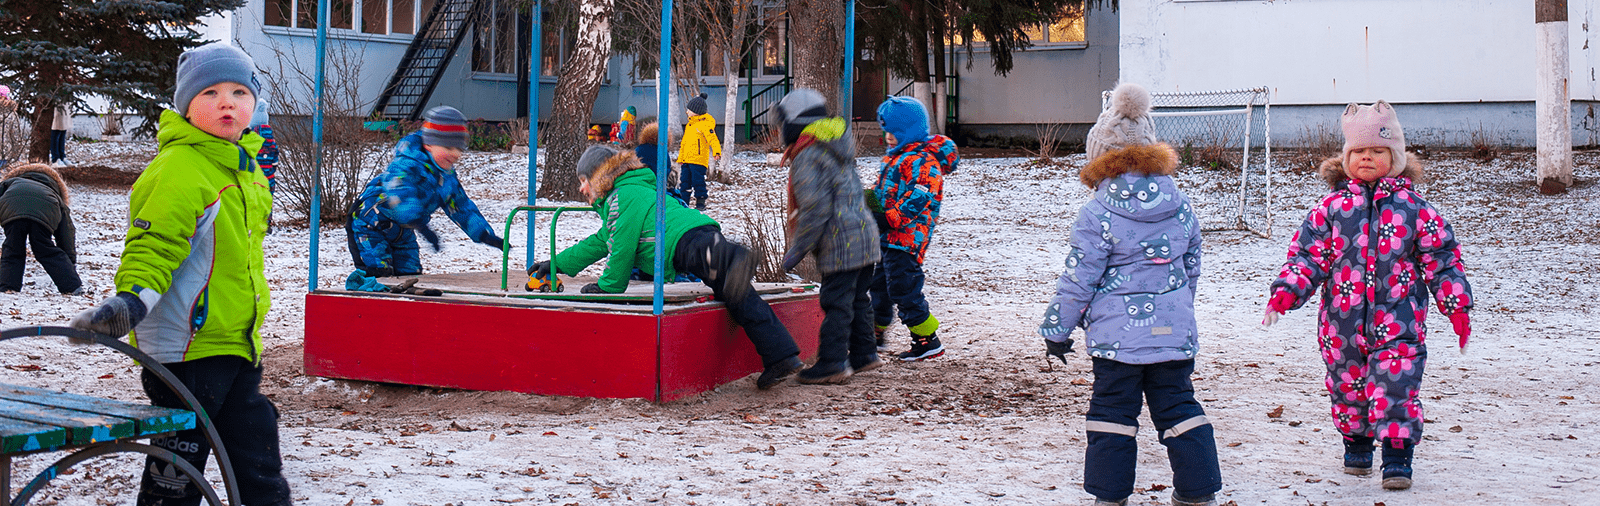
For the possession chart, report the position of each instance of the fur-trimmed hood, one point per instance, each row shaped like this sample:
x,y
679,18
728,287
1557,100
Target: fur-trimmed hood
x,y
605,176
39,168
1152,159
649,134
1332,170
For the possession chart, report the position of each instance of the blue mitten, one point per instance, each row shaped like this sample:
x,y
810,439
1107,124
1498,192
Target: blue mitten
x,y
358,281
113,317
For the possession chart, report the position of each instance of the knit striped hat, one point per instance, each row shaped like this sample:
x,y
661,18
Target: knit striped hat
x,y
444,126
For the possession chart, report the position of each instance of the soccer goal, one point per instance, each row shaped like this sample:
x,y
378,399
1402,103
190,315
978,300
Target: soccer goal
x,y
1224,142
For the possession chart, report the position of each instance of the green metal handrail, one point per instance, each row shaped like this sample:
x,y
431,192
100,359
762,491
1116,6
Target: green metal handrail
x,y
750,114
505,246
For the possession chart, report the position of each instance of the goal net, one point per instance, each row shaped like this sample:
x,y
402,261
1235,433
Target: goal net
x,y
1225,149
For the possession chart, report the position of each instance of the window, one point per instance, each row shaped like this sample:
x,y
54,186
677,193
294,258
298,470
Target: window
x,y
1069,30
775,50
404,17
494,42
377,17
551,51
340,14
374,17
556,49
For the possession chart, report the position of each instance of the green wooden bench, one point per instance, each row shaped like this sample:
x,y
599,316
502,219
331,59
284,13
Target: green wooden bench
x,y
34,420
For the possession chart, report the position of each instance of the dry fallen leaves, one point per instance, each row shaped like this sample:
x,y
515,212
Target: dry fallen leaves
x,y
1276,412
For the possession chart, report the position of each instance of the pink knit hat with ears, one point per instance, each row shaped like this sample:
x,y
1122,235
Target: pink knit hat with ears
x,y
1368,126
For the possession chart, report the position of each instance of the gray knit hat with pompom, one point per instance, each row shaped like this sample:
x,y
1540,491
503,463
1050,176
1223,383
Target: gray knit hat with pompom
x,y
1126,123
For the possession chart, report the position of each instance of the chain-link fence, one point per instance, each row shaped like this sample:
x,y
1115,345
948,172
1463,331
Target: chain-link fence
x,y
1225,148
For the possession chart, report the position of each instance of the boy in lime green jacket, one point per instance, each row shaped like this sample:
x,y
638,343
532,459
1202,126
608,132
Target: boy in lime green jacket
x,y
191,286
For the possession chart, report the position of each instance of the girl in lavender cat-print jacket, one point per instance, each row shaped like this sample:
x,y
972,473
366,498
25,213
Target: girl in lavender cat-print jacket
x,y
1130,276
1133,262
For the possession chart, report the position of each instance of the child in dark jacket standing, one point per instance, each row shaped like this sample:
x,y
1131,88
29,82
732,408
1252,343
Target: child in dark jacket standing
x,y
623,193
192,286
34,206
828,219
1378,251
910,188
1130,283
397,205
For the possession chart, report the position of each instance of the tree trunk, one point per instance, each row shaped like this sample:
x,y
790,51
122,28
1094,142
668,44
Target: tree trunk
x,y
574,101
732,59
730,106
921,88
816,42
941,102
44,112
1553,117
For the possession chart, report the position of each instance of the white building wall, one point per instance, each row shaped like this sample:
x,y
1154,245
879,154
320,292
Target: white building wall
x,y
1341,51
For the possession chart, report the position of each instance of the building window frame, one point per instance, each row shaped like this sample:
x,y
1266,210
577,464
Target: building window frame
x,y
301,16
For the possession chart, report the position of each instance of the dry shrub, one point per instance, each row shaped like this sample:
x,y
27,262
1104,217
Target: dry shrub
x,y
1483,145
1049,135
517,131
765,236
1214,150
351,154
1319,143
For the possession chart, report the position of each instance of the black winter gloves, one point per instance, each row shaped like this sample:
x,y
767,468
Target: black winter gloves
x,y
1058,349
432,238
378,272
540,269
113,317
493,241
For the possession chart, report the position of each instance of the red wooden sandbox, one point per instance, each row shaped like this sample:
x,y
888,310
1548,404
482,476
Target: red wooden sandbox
x,y
477,337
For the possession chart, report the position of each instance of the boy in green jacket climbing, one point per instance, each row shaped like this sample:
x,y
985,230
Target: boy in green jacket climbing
x,y
191,286
623,191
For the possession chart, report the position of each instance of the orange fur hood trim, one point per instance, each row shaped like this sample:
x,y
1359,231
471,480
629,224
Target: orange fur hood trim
x,y
42,169
1153,159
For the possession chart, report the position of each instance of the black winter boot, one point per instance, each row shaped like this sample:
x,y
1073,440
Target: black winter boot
x,y
923,348
880,334
1396,468
699,204
1358,455
776,373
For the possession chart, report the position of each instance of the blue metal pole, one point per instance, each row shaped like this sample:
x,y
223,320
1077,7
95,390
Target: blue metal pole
x,y
535,67
846,85
316,142
663,87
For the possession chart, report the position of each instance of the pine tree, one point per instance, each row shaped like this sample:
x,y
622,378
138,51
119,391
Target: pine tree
x,y
61,51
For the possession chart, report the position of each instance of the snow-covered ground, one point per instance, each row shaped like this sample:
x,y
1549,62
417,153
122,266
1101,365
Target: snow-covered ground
x,y
992,422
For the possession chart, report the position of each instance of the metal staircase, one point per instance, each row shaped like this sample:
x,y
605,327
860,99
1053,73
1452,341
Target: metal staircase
x,y
426,59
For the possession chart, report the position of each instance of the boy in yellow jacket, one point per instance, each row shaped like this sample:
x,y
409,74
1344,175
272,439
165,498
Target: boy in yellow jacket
x,y
700,146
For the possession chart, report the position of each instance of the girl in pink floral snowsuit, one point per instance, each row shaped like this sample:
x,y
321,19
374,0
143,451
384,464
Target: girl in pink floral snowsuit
x,y
1378,250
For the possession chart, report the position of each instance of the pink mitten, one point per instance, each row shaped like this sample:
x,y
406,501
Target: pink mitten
x,y
1281,302
1463,327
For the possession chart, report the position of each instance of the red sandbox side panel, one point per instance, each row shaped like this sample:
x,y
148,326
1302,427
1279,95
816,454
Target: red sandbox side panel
x,y
481,347
701,350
